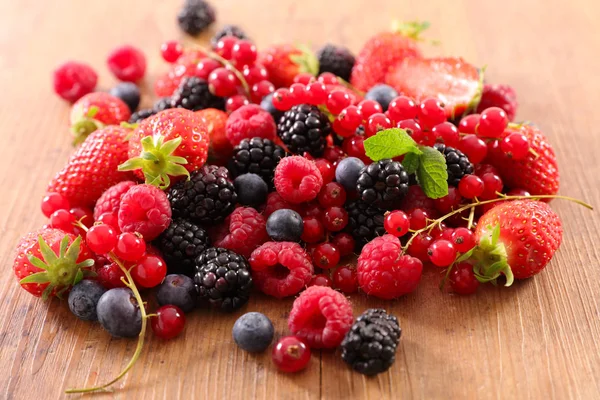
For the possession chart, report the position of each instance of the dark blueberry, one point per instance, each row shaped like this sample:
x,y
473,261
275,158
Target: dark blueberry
x,y
251,189
177,290
347,172
253,332
129,93
383,94
83,299
285,226
336,59
119,313
267,105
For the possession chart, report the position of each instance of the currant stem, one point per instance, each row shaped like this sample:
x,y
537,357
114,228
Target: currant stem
x,y
227,63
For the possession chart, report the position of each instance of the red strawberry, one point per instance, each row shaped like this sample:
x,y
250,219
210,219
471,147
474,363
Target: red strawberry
x,y
536,173
93,167
94,111
49,262
172,143
382,51
517,238
185,66
283,62
220,149
453,81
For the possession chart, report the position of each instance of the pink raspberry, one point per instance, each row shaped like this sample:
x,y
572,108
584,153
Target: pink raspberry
x,y
111,198
144,209
502,96
384,272
249,121
297,179
245,230
73,80
275,202
281,269
321,317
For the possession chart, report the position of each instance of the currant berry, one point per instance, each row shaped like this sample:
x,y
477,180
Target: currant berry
x,y
171,50
369,107
402,108
418,219
470,186
441,253
396,223
235,102
224,46
492,185
130,247
411,127
492,123
515,146
316,93
313,231
377,122
110,219
463,239
304,78
298,93
63,220
335,219
431,113
328,78
53,202
222,82
326,169
445,234
473,147
149,271
438,230
243,53
350,118
282,99
255,73
168,322
449,202
462,279
344,278
446,133
344,242
469,123
320,280
83,215
419,246
290,354
337,100
101,239
313,209
260,90
333,153
205,67
326,256
518,192
332,195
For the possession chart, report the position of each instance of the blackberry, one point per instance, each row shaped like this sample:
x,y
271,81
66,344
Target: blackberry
x,y
195,16
382,183
337,60
162,104
457,164
193,94
181,244
370,345
365,222
304,128
227,30
223,278
257,156
206,198
141,115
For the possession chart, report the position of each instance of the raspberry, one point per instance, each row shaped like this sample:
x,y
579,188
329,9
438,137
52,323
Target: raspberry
x,y
144,209
127,63
297,179
502,96
384,272
321,317
281,269
73,80
245,231
111,198
250,121
276,202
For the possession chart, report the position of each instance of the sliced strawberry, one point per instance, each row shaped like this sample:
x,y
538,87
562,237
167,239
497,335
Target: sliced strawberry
x,y
285,61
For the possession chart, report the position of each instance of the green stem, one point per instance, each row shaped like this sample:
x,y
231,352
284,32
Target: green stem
x,y
227,63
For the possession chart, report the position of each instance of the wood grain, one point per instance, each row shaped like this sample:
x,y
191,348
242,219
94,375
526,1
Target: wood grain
x,y
536,340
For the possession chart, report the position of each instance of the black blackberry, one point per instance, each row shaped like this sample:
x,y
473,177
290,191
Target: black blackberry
x,y
304,128
195,16
457,164
370,345
365,222
228,30
206,198
257,156
141,115
162,104
223,278
181,244
337,60
382,183
193,94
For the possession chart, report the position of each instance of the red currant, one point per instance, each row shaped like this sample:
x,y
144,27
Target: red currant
x,y
449,202
326,256
328,78
354,147
168,323
326,168
482,169
101,239
261,89
222,82
515,146
225,45
463,239
441,253
282,99
437,231
110,219
431,113
402,108
149,271
469,123
110,275
369,107
333,153
411,127
492,123
298,93
171,50
470,186
243,53
344,242
316,93
320,280
304,78
291,354
335,219
130,247
377,122
337,101
255,73
419,245
350,118
53,202
236,101
313,231
63,220
205,67
396,223
418,219
473,147
332,195
462,279
313,209
84,215
446,234
492,183
344,278
518,192
446,133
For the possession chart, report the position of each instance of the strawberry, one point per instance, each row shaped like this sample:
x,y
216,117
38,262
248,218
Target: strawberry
x,y
537,173
172,143
185,66
283,62
93,167
49,262
516,239
384,50
220,149
453,81
94,111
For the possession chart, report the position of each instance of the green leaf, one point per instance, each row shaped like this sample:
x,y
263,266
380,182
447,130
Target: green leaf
x,y
170,146
411,163
47,253
86,263
47,292
432,174
38,277
73,251
496,235
131,164
64,244
78,277
390,143
37,262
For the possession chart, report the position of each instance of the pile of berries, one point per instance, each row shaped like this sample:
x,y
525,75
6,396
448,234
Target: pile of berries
x,y
293,173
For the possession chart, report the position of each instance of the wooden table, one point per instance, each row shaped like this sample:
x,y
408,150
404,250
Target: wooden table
x,y
536,340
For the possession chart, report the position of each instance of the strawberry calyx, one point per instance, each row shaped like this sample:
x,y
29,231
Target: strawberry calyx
x,y
85,125
157,161
60,271
307,61
410,29
491,258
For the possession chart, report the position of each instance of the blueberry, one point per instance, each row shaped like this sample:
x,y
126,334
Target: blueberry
x,y
383,94
285,226
253,332
119,314
177,290
129,93
251,190
347,172
83,299
267,105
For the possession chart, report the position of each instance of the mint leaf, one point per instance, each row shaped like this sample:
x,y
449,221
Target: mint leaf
x,y
432,174
411,163
390,143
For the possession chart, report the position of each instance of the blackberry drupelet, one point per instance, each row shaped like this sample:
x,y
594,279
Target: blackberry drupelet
x,y
304,128
223,278
337,60
228,30
181,244
370,345
457,164
193,94
365,222
257,156
208,197
195,16
141,115
382,183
